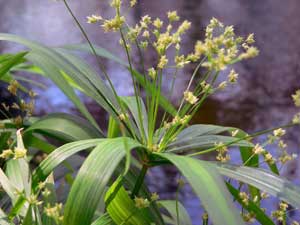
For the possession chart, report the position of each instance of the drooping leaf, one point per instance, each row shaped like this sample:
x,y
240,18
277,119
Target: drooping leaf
x,y
209,187
10,62
65,127
58,156
142,123
264,180
204,142
200,130
92,179
50,62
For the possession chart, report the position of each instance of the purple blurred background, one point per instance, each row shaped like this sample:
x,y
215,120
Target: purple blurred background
x,y
260,100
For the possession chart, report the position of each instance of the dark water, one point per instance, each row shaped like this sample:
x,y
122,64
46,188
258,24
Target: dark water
x,y
261,100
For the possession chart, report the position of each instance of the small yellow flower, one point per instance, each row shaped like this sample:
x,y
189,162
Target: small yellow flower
x,y
116,4
154,196
264,195
6,154
296,98
123,116
46,192
257,150
133,3
269,158
222,85
141,203
158,23
152,73
282,144
19,153
279,132
146,34
114,24
234,133
162,62
233,76
190,97
244,197
93,19
184,27
172,16
250,39
296,119
250,53
13,87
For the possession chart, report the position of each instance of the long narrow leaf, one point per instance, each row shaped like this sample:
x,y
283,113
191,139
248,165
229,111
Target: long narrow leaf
x,y
58,156
209,187
264,180
92,179
66,127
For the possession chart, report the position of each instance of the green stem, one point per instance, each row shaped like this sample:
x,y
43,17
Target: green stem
x,y
139,181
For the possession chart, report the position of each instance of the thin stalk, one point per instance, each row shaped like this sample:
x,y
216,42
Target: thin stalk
x,y
101,68
91,45
136,92
139,181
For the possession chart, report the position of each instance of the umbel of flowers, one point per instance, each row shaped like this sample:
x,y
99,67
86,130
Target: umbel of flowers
x,y
221,48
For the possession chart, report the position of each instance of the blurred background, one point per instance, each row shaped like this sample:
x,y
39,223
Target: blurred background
x,y
261,100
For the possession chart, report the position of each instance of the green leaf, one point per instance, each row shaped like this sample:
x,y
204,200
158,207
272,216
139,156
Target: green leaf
x,y
203,142
50,62
113,128
65,127
264,180
248,159
200,130
18,173
209,187
131,103
92,179
4,136
60,154
8,186
10,62
38,143
183,216
104,220
90,81
122,208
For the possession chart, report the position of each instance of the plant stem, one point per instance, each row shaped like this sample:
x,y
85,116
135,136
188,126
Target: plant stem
x,y
139,181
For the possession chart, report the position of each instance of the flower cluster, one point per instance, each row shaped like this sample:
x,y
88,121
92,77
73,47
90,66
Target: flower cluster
x,y
141,203
17,153
54,212
24,108
280,213
296,99
222,150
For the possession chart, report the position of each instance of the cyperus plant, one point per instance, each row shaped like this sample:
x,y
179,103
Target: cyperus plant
x,y
109,188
